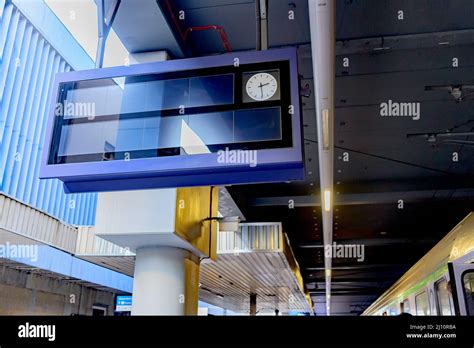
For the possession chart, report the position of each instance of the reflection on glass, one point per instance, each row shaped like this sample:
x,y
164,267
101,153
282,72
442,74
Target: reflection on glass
x,y
254,125
154,133
468,284
422,304
149,116
137,96
406,307
442,296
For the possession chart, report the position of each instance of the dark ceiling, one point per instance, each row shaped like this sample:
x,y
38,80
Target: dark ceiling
x,y
384,165
389,59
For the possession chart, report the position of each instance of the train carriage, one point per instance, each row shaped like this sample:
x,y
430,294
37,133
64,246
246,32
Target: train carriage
x,y
440,283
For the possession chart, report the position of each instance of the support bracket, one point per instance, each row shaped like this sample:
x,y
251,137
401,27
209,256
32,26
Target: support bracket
x,y
104,24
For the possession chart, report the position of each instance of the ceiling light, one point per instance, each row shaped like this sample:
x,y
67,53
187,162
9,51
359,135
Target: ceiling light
x,y
325,119
327,200
381,48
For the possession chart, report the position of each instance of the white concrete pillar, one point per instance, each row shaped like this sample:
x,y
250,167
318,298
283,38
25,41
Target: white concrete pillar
x,y
166,277
159,282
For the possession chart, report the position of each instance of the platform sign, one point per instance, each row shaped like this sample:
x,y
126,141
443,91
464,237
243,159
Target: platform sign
x,y
227,119
123,304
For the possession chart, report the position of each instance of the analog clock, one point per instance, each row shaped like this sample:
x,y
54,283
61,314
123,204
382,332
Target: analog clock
x,y
261,86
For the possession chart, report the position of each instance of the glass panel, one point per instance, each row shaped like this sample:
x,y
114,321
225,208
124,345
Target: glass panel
x,y
95,98
442,298
406,306
468,284
151,134
214,128
258,125
422,304
150,116
211,90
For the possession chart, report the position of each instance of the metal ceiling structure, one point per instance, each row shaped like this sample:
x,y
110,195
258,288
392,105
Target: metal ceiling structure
x,y
255,260
395,193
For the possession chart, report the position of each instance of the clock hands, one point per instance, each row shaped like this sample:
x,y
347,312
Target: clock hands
x,y
261,87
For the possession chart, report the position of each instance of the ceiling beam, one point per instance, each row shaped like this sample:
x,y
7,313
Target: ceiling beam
x,y
335,280
335,292
365,266
412,184
347,46
373,242
367,198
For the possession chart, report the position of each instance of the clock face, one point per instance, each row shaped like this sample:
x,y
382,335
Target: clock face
x,y
261,86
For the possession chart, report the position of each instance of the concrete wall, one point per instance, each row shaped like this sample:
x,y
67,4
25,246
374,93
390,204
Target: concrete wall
x,y
26,293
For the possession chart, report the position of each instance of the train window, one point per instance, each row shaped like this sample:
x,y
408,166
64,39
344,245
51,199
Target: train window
x,y
442,297
468,284
406,306
422,304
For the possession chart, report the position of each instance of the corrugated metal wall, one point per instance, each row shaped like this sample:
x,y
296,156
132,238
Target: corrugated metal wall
x,y
22,220
28,64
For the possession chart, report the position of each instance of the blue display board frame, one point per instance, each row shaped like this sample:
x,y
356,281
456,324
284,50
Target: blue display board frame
x,y
274,164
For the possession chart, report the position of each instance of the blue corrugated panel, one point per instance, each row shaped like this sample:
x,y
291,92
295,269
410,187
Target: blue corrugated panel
x,y
28,64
